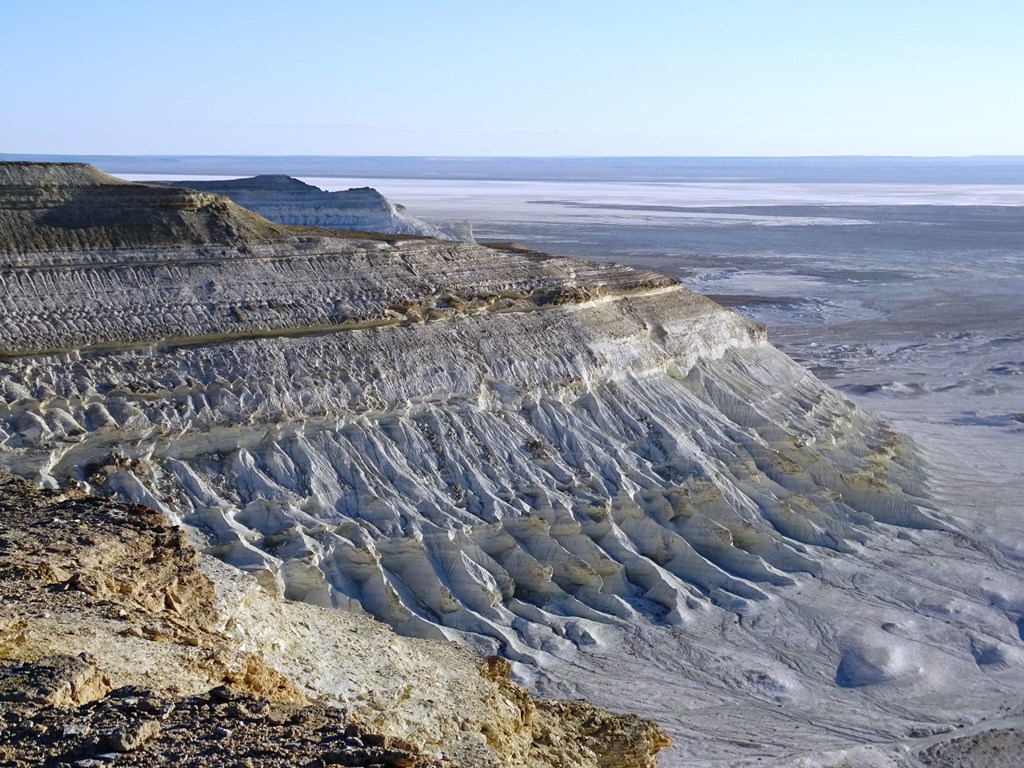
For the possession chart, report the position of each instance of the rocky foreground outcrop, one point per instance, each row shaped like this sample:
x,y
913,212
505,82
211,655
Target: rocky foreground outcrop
x,y
113,648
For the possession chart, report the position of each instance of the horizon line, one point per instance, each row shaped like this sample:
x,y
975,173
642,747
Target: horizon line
x,y
171,155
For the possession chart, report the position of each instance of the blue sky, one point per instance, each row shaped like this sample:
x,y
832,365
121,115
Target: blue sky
x,y
529,77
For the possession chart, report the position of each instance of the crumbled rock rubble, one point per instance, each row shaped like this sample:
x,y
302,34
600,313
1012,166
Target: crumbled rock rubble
x,y
138,727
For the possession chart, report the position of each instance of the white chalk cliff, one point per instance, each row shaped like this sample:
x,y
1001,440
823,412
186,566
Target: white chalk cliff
x,y
290,201
585,468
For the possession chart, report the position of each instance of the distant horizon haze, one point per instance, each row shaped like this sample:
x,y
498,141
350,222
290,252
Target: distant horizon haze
x,y
1006,170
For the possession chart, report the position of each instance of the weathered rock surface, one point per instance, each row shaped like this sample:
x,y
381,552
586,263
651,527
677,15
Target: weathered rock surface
x,y
290,201
140,727
112,640
114,582
992,748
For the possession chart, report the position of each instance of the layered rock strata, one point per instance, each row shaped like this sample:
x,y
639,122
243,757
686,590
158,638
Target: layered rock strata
x,y
502,446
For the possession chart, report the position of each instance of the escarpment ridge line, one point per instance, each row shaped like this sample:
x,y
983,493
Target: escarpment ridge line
x,y
55,209
398,315
142,279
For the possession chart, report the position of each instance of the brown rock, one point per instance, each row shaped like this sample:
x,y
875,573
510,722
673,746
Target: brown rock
x,y
56,681
133,736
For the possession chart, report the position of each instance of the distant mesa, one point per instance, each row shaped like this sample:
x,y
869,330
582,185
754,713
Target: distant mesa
x,y
270,182
30,174
287,200
73,207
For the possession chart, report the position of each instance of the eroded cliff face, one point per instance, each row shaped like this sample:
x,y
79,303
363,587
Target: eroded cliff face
x,y
572,465
114,583
448,437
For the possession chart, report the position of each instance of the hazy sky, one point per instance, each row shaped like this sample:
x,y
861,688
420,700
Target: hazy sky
x,y
522,77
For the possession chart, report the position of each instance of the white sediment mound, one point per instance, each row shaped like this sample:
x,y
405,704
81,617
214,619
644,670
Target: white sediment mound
x,y
582,467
